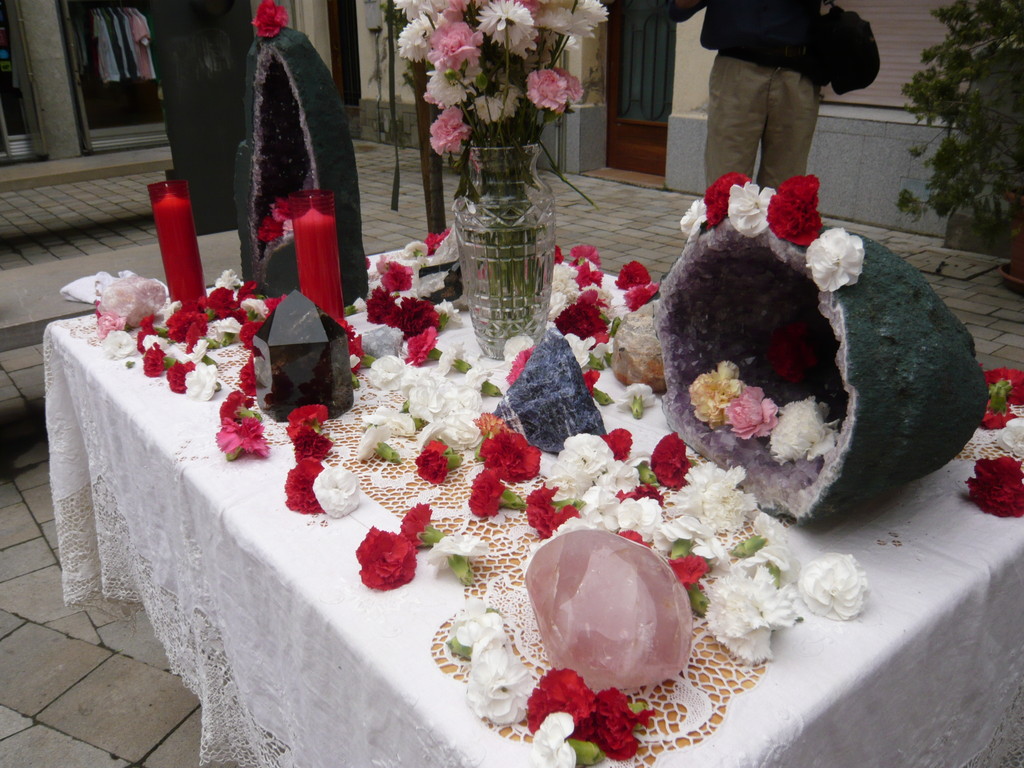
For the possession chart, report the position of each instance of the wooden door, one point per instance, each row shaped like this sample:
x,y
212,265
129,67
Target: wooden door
x,y
641,54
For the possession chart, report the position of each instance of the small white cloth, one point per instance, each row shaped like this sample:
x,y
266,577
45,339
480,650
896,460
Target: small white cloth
x,y
89,289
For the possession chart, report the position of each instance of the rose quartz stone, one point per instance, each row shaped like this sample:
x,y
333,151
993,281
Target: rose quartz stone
x,y
610,609
133,298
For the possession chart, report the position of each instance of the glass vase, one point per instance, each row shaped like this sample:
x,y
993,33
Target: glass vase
x,y
505,230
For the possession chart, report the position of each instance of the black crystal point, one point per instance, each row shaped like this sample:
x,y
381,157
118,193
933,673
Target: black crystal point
x,y
300,357
550,402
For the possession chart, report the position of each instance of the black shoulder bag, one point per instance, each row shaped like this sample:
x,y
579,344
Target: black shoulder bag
x,y
844,48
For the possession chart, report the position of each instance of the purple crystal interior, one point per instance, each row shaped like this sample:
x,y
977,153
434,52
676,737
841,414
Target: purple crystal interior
x,y
610,609
723,300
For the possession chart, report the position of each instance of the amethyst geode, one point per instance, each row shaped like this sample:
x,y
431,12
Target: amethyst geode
x,y
895,367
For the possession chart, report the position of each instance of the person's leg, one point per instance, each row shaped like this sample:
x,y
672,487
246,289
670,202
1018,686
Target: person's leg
x,y
737,110
792,114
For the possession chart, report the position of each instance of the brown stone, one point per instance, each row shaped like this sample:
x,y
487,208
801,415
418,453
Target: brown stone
x,y
636,358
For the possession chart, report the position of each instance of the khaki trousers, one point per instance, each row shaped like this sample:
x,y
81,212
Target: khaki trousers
x,y
753,106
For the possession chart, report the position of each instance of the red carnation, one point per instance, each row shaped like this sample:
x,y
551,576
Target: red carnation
x,y
420,346
145,329
543,515
716,198
998,486
634,273
434,240
559,258
586,276
415,316
620,441
560,690
790,352
432,464
248,331
153,362
247,377
485,496
581,253
247,291
387,560
183,322
271,304
270,18
381,307
633,536
298,487
518,364
396,277
176,376
689,570
1005,388
590,378
584,320
307,415
612,725
355,343
643,491
222,302
508,454
639,295
270,230
669,462
793,210
235,401
416,521
308,443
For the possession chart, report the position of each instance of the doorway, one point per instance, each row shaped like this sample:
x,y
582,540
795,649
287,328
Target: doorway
x,y
642,49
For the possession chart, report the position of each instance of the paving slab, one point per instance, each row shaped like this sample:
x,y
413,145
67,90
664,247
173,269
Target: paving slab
x,y
34,477
76,625
42,747
134,637
16,525
24,558
39,501
8,623
36,596
124,707
181,748
38,664
11,722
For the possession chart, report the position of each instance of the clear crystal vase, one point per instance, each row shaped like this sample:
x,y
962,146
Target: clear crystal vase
x,y
505,230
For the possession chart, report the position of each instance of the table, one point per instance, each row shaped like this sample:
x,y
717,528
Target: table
x,y
262,613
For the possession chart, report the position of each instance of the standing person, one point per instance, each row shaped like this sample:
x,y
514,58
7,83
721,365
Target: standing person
x,y
762,88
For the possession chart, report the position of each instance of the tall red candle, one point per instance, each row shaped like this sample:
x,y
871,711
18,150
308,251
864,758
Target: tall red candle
x,y
316,249
176,232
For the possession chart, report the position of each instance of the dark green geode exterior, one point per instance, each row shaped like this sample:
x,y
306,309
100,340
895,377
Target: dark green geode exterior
x,y
920,393
911,392
321,154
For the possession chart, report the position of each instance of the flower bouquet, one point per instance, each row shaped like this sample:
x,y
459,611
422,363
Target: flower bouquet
x,y
496,82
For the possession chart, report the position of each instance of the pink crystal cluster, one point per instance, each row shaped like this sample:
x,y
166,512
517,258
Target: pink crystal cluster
x,y
610,609
133,298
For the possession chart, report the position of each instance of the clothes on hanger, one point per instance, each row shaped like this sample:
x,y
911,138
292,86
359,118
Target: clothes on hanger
x,y
119,45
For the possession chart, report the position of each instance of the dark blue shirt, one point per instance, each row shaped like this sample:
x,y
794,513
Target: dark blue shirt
x,y
750,23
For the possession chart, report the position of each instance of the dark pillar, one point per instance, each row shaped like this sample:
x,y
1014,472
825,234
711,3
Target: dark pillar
x,y
200,48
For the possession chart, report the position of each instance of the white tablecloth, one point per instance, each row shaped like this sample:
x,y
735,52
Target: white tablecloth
x,y
298,664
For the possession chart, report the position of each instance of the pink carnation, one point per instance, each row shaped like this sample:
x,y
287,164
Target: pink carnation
x,y
639,295
420,346
245,436
553,89
107,322
580,253
394,276
454,44
752,414
270,18
448,132
518,364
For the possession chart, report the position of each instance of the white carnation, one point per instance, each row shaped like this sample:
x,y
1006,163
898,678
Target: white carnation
x,y
387,372
713,496
692,220
550,746
118,345
457,430
508,23
776,550
444,92
371,438
834,586
743,611
228,279
514,346
1011,437
748,208
414,40
640,515
499,685
201,383
256,308
836,259
337,491
802,432
456,544
477,628
398,423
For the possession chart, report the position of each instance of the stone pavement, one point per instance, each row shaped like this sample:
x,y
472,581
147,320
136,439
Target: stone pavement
x,y
80,690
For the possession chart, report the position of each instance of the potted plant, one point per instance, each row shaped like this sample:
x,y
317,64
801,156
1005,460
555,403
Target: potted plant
x,y
973,85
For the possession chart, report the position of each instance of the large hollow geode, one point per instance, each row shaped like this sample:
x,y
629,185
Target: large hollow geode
x,y
895,367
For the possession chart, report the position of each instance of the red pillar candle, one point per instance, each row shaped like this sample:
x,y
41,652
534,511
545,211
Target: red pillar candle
x,y
176,232
316,249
